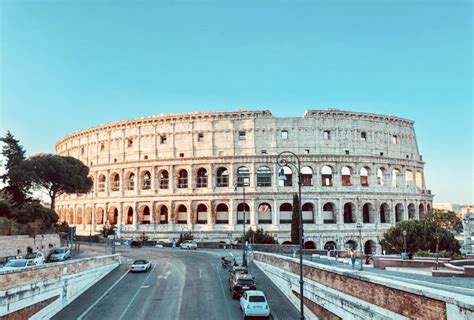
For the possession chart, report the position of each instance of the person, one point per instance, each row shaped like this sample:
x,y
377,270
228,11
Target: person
x,y
353,258
174,243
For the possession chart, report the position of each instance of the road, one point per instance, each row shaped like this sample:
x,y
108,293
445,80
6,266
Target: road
x,y
181,285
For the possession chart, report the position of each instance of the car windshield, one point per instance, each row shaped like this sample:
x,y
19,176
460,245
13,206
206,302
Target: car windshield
x,y
58,251
30,256
140,262
16,263
257,299
245,282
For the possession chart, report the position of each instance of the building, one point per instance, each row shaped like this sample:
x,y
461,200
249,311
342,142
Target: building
x,y
448,206
164,175
467,216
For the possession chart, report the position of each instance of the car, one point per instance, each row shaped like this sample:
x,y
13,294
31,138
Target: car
x,y
37,257
140,266
60,254
4,260
188,245
136,244
241,283
238,270
17,264
253,303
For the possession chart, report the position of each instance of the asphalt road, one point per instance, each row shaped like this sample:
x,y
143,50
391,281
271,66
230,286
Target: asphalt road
x,y
181,285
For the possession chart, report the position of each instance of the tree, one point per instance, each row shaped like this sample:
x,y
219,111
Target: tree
x,y
107,230
421,235
259,236
58,175
5,210
34,212
295,221
445,219
183,237
16,178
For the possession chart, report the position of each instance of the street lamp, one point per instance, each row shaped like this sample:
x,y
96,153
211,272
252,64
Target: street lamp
x,y
359,227
286,159
466,234
404,253
242,181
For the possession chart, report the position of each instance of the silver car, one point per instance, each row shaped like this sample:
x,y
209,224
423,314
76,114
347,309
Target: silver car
x,y
60,254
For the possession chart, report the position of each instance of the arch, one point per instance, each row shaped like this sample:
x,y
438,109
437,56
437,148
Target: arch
x,y
79,219
351,244
99,216
349,213
201,178
288,177
330,245
310,245
144,215
326,176
101,184
306,176
264,213
241,209
129,218
201,214
369,247
396,178
380,176
428,208
329,213
368,213
307,211
129,181
112,215
399,212
421,210
163,215
286,242
409,178
411,211
384,213
88,216
164,179
71,216
146,180
243,176
114,181
286,213
264,177
222,178
182,214
182,179
364,176
222,214
346,176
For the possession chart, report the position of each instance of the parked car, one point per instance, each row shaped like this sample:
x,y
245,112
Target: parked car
x,y
36,257
188,245
4,260
241,283
60,254
140,266
253,303
136,244
17,264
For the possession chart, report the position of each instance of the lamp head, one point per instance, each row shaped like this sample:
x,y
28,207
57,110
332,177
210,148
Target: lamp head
x,y
281,175
404,232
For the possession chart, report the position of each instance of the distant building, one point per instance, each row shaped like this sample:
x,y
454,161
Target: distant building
x,y
448,206
468,224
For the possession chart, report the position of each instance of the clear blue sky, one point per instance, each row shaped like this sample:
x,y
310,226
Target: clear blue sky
x,y
70,65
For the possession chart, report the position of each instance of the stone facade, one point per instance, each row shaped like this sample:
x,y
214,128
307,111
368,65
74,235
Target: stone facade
x,y
167,174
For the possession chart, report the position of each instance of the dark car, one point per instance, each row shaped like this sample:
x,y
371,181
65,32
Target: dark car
x,y
238,270
136,244
241,283
4,260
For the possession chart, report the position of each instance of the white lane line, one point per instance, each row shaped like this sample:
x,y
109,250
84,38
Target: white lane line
x,y
136,293
200,273
223,293
101,297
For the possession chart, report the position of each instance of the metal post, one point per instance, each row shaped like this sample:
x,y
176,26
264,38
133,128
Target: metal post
x,y
361,250
244,258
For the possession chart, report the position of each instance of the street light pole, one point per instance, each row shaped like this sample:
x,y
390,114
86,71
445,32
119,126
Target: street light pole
x,y
284,159
242,184
359,227
404,254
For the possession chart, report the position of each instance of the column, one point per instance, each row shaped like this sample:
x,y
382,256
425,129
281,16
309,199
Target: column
x,y
253,212
106,213
138,180
135,214
155,179
319,208
340,213
83,215
122,182
152,212
275,213
120,213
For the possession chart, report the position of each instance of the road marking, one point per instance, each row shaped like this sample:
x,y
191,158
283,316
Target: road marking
x,y
144,287
165,276
136,294
200,273
102,296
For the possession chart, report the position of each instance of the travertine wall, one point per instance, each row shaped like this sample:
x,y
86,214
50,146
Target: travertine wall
x,y
10,244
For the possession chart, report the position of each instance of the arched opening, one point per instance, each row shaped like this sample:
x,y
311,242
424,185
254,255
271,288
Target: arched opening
x,y
409,179
364,177
115,179
99,216
163,215
306,177
202,214
329,214
326,176
129,219
308,213
396,178
330,245
182,179
369,247
88,216
79,216
146,180
349,213
222,214
145,219
286,242
243,177
164,179
346,176
288,180
264,177
380,175
309,245
111,215
71,216
384,213
428,208
399,212
421,209
222,179
419,179
130,181
201,178
411,211
367,213
264,213
286,213
115,218
243,209
182,214
101,184
350,244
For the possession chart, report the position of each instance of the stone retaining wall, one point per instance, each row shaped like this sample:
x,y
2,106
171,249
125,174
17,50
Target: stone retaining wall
x,y
41,242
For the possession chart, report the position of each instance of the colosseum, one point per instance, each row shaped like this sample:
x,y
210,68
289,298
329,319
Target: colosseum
x,y
164,175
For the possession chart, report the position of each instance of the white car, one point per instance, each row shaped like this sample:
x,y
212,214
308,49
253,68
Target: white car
x,y
253,303
60,254
17,264
140,266
37,257
188,245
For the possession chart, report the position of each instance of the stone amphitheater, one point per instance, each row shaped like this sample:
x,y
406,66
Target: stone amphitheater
x,y
164,175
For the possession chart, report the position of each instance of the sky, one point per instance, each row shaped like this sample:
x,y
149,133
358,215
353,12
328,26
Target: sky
x,y
70,65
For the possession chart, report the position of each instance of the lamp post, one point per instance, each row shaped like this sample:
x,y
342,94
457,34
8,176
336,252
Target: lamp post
x,y
466,234
359,228
286,159
404,253
242,181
